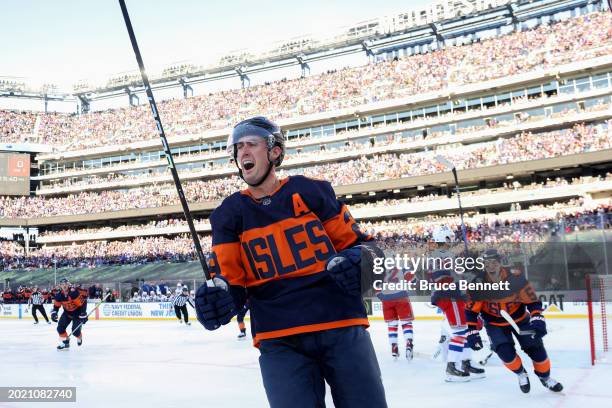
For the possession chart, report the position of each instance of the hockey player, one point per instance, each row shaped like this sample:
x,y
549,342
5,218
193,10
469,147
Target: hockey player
x,y
75,311
523,306
36,300
295,251
180,305
397,311
452,304
240,318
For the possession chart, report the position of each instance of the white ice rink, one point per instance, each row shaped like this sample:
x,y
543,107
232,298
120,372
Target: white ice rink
x,y
164,364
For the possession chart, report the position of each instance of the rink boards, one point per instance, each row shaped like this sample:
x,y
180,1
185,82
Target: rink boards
x,y
165,311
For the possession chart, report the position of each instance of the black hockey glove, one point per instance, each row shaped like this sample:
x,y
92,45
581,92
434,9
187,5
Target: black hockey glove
x,y
474,341
346,266
214,304
538,324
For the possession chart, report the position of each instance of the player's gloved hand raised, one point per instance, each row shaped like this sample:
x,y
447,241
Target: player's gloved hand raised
x,y
214,304
538,324
474,341
54,316
83,318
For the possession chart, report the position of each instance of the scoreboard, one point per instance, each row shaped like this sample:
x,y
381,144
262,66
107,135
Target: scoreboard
x,y
14,174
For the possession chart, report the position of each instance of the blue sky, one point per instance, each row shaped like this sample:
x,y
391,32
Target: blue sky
x,y
63,41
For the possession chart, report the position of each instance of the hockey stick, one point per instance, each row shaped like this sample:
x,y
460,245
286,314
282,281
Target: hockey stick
x,y
162,136
485,360
89,314
512,323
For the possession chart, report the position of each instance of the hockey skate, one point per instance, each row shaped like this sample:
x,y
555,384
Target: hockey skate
x,y
242,336
35,322
394,351
551,384
180,321
79,341
473,372
188,323
523,379
455,375
409,350
64,345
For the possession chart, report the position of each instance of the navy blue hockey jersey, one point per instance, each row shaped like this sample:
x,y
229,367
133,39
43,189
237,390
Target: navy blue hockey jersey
x,y
276,247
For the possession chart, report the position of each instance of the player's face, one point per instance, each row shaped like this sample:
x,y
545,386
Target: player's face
x,y
64,286
493,267
252,158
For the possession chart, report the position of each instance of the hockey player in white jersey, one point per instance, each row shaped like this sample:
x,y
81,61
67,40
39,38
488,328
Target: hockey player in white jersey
x,y
452,304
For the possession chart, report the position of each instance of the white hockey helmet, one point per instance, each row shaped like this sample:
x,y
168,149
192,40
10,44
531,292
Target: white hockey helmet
x,y
442,234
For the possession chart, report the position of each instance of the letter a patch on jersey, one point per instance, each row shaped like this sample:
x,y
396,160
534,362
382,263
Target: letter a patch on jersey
x,y
299,208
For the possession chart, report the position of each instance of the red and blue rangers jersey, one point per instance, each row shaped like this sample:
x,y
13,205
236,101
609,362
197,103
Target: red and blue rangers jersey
x,y
277,247
441,274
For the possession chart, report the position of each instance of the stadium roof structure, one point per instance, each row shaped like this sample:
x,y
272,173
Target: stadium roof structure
x,y
433,23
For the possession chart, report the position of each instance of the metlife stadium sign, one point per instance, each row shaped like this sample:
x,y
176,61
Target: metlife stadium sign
x,y
443,10
14,174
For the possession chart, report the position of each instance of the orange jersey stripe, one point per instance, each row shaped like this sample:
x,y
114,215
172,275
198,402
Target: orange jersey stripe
x,y
310,328
228,258
514,364
341,229
542,366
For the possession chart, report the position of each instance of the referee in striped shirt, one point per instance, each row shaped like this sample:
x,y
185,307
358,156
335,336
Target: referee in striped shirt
x,y
180,305
36,300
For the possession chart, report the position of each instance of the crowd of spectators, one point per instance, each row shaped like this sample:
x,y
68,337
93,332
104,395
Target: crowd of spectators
x,y
532,224
540,48
23,292
96,253
506,187
156,292
535,224
140,292
394,141
522,147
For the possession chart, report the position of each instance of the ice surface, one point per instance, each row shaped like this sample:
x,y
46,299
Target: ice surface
x,y
165,364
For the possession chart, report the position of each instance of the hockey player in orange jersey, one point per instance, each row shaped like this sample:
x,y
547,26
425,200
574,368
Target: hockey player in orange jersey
x,y
74,302
523,306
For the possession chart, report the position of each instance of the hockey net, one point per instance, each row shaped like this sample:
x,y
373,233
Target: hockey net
x,y
599,303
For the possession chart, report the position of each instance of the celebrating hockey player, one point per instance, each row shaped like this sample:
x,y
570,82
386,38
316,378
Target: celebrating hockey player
x,y
75,311
397,311
523,306
296,252
452,303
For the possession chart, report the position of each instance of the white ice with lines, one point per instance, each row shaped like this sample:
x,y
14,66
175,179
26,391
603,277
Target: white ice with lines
x,y
164,364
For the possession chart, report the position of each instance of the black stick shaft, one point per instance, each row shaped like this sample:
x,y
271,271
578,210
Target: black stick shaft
x,y
162,136
463,229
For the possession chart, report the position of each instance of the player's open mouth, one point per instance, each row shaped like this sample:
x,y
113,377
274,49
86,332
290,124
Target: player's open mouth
x,y
248,165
